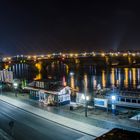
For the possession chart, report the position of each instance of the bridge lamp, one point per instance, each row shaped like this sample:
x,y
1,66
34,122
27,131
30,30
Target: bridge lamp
x,y
133,54
125,54
29,57
9,58
49,55
63,55
35,57
85,54
71,55
93,54
102,54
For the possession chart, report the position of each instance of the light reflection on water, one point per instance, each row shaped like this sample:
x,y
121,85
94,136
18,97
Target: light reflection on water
x,y
84,78
107,78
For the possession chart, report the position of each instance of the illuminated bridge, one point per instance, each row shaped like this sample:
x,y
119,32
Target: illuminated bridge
x,y
93,58
70,61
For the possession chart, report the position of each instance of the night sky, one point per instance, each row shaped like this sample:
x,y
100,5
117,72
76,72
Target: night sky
x,y
31,27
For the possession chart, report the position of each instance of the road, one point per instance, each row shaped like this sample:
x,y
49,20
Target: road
x,y
31,127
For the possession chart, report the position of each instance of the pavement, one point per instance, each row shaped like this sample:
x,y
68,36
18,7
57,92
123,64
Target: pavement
x,y
67,122
4,135
97,123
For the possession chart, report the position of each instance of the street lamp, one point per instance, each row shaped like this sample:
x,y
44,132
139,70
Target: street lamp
x,y
86,98
85,93
113,99
1,87
15,85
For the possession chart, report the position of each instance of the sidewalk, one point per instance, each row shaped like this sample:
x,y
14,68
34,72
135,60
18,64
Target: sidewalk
x,y
73,124
98,118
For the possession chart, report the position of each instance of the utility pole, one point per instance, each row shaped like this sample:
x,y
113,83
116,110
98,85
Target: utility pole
x,y
85,85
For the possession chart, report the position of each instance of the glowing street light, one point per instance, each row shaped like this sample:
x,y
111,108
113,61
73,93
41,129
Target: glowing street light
x,y
83,97
113,98
15,85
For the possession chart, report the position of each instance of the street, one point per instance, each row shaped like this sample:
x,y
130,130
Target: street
x,y
30,127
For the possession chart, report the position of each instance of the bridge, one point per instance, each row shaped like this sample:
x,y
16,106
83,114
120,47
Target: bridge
x,y
93,58
70,60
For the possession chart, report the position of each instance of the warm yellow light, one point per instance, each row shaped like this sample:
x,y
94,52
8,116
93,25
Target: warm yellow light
x,y
72,83
38,77
9,58
134,77
113,76
29,57
38,66
6,66
116,54
85,54
49,55
126,77
71,55
63,55
35,57
93,53
76,55
103,79
133,54
102,54
125,54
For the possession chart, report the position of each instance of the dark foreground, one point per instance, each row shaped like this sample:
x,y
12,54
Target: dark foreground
x,y
120,134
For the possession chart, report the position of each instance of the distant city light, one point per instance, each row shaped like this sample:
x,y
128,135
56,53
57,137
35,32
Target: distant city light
x,y
71,55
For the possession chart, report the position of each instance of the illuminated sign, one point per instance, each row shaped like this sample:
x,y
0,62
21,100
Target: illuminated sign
x,y
101,102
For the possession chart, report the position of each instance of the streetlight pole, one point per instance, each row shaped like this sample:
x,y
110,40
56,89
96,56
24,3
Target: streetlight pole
x,y
85,94
1,87
113,97
85,104
15,87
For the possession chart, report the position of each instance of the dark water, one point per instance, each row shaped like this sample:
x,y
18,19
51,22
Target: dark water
x,y
81,77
